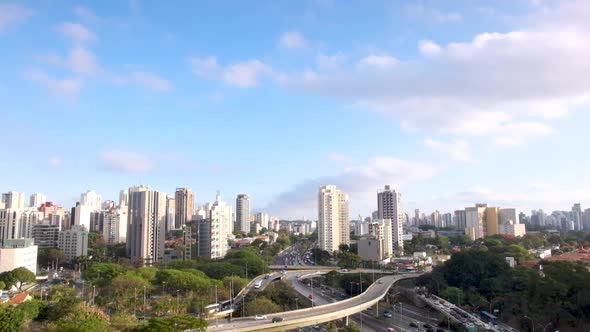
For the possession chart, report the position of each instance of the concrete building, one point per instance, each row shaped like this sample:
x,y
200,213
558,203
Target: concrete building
x,y
115,225
586,219
83,214
474,217
171,214
460,219
389,206
577,217
74,242
184,199
123,198
371,249
381,229
92,200
243,213
17,223
333,223
508,215
197,238
13,200
37,200
517,230
220,216
107,205
17,253
45,235
492,221
263,218
146,223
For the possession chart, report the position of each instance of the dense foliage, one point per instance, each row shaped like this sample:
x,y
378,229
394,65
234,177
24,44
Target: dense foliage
x,y
551,293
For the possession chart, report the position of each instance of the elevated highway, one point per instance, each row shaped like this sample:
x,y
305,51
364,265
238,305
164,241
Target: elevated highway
x,y
316,315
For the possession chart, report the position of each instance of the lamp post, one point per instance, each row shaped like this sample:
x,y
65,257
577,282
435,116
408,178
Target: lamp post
x,y
547,326
532,322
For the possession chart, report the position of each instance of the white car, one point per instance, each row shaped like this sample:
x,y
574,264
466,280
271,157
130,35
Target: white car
x,y
260,317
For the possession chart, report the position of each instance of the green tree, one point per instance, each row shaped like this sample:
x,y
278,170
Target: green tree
x,y
261,305
11,319
18,277
55,256
85,319
453,294
123,321
102,274
2,285
237,283
121,293
352,327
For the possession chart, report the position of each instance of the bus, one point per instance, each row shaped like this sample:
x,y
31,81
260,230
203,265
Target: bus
x,y
488,318
211,309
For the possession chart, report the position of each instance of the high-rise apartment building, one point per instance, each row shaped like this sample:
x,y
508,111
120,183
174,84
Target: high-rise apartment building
x,y
389,206
243,213
146,222
170,214
37,200
474,221
74,242
197,238
123,198
221,224
381,229
18,223
333,223
114,228
184,200
83,215
91,200
577,217
13,200
45,235
491,224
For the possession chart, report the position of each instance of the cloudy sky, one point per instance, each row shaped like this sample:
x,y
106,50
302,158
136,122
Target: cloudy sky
x,y
453,102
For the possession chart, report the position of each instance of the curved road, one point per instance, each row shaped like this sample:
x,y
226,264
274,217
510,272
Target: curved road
x,y
318,314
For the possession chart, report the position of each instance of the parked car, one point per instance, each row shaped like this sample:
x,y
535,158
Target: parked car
x,y
277,319
387,314
413,324
260,317
391,329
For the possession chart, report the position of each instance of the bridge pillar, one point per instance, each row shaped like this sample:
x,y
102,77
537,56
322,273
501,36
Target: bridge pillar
x,y
346,320
376,309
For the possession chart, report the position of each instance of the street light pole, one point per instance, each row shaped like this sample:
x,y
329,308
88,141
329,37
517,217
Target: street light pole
x,y
532,322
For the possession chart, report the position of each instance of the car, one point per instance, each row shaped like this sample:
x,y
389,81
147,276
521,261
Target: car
x,y
316,327
310,296
391,329
426,326
379,281
260,317
277,319
344,270
387,314
413,324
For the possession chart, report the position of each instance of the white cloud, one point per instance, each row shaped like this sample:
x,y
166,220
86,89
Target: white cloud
x,y
69,86
505,85
429,48
432,15
360,182
79,60
151,81
126,161
76,31
456,149
292,39
378,61
329,62
85,13
55,162
12,14
245,74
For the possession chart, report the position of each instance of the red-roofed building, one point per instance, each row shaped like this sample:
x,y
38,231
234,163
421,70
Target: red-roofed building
x,y
20,298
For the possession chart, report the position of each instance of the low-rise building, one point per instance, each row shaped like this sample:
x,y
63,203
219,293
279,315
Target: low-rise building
x,y
370,249
18,253
74,242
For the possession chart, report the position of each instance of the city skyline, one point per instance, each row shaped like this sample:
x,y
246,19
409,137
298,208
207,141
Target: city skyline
x,y
201,106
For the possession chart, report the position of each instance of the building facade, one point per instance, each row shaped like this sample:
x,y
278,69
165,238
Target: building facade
x,y
115,225
74,242
333,224
146,223
389,206
184,200
243,213
37,200
18,253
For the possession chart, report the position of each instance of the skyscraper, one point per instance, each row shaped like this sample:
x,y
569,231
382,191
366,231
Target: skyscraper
x,y
389,206
13,200
577,217
37,200
492,221
146,224
221,227
474,221
333,223
243,213
92,200
184,200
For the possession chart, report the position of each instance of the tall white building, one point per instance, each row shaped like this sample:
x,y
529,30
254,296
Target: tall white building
x,y
381,230
115,225
171,214
123,198
333,223
263,219
17,253
13,200
37,200
18,223
220,215
92,200
389,206
82,215
243,213
73,242
185,206
146,223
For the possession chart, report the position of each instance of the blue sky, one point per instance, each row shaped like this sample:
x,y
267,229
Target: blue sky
x,y
453,102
